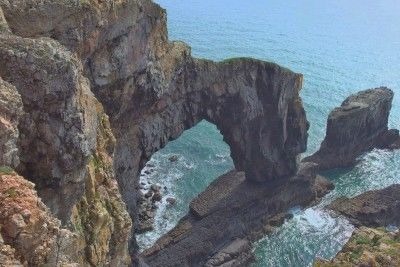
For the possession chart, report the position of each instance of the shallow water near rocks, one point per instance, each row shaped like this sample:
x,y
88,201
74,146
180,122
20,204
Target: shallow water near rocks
x,y
341,47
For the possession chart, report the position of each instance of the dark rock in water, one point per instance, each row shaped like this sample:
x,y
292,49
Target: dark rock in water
x,y
173,158
148,194
155,188
373,208
156,197
227,216
357,126
171,200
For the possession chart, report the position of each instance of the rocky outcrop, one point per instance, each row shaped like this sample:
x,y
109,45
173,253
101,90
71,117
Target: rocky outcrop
x,y
58,128
57,135
30,235
11,112
373,208
228,215
357,126
368,247
100,228
100,217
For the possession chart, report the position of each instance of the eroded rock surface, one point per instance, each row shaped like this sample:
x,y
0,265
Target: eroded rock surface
x,y
228,215
11,111
58,128
153,89
357,126
373,208
28,228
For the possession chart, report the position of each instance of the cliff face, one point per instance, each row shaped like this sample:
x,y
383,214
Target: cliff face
x,y
66,60
357,126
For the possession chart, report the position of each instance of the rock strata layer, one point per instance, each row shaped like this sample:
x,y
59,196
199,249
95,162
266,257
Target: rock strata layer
x,y
230,214
357,126
373,208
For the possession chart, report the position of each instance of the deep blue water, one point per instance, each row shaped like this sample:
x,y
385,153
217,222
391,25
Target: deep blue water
x,y
341,47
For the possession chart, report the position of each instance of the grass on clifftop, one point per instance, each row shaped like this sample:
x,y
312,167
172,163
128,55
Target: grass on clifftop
x,y
368,247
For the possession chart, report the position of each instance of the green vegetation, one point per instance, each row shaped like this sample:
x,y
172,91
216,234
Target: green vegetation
x,y
235,59
368,246
6,170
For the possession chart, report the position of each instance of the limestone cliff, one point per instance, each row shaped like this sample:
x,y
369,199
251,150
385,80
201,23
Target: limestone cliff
x,y
67,59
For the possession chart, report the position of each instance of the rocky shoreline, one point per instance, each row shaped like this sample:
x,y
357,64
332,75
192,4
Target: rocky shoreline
x,y
376,241
90,90
229,215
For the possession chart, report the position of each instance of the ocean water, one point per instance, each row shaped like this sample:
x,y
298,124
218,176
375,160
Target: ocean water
x,y
341,47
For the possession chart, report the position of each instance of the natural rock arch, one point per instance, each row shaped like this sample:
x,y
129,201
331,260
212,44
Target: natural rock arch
x,y
254,104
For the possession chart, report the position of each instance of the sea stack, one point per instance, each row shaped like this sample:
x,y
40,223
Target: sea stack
x,y
357,126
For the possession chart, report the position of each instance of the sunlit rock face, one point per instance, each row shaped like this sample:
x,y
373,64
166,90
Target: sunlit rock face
x,y
357,126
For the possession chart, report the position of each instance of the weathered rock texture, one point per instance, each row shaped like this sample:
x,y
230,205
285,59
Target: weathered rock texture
x,y
228,215
11,112
57,135
28,227
100,228
58,128
373,208
357,126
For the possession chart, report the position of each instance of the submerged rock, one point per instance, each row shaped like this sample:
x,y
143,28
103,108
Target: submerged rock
x,y
357,126
173,158
171,200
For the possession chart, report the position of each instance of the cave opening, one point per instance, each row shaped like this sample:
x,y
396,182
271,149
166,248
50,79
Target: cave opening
x,y
177,173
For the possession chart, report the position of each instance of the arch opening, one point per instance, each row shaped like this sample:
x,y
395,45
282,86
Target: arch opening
x,y
178,173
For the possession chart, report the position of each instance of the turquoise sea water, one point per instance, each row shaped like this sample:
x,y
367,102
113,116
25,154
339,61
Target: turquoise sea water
x,y
341,47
